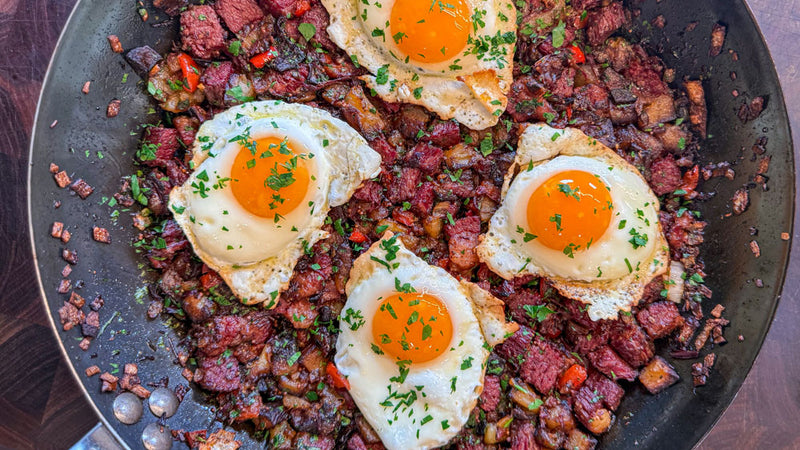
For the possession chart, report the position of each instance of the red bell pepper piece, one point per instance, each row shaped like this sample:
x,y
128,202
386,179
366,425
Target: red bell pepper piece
x,y
190,71
301,8
337,379
572,378
358,237
261,59
577,54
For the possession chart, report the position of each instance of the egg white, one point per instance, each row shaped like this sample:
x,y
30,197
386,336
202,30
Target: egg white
x,y
470,87
256,255
611,274
478,322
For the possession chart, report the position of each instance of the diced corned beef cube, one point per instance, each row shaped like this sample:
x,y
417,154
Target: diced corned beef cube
x,y
665,176
588,409
426,157
62,179
462,241
608,362
82,188
444,133
280,7
646,78
609,391
523,435
632,344
385,149
215,79
515,347
411,120
201,33
101,235
490,397
402,188
356,442
70,316
370,191
603,22
543,363
187,128
583,339
238,13
216,335
307,440
516,302
218,373
161,143
318,17
659,319
423,199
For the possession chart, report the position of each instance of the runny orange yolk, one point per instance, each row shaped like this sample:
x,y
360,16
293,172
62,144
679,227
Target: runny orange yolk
x,y
570,211
412,327
430,31
270,178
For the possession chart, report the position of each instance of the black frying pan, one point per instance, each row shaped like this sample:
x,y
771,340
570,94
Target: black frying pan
x,y
675,418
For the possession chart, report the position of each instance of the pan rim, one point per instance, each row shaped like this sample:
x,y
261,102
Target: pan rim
x,y
790,255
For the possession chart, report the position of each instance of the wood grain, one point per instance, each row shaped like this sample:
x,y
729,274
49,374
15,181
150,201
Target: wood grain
x,y
41,405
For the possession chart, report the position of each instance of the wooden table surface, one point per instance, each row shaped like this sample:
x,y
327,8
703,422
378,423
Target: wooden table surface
x,y
41,405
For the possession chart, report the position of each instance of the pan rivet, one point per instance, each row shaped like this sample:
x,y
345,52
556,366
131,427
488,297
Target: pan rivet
x,y
163,401
128,408
156,437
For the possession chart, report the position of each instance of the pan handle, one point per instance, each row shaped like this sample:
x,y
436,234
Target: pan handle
x,y
98,438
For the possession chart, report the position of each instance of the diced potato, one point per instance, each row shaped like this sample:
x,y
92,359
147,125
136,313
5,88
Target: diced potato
x,y
658,375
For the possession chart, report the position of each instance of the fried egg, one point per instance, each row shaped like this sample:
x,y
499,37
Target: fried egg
x,y
413,344
577,213
266,174
453,57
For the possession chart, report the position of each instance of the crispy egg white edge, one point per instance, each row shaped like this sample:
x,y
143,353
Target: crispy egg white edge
x,y
536,145
487,325
443,92
272,278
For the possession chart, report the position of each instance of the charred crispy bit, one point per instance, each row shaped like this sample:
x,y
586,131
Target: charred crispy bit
x,y
113,108
92,371
81,188
53,168
109,382
658,375
717,311
65,236
140,391
66,271
722,169
91,325
70,316
142,59
699,374
116,45
754,247
64,286
97,303
101,235
171,7
751,111
77,300
740,200
70,256
717,39
85,342
698,113
221,440
56,230
62,179
86,86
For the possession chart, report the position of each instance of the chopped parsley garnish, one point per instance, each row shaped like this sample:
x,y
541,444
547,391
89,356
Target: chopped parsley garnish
x,y
537,312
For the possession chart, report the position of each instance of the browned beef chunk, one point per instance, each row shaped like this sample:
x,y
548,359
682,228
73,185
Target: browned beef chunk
x,y
632,344
698,113
426,157
370,191
218,373
318,17
215,336
444,133
609,391
659,319
462,240
665,176
411,120
592,97
187,128
142,59
215,79
238,13
526,100
608,362
589,410
584,339
201,33
543,363
401,188
280,7
423,199
518,301
523,435
603,22
159,145
490,397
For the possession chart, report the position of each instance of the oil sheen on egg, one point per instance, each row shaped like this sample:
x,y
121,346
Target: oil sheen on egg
x,y
453,57
266,174
577,213
413,345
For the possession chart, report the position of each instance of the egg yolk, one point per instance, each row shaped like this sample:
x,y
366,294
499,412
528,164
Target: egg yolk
x,y
430,31
569,211
412,327
269,178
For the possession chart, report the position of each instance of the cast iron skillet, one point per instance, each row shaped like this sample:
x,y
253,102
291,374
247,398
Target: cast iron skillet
x,y
676,418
